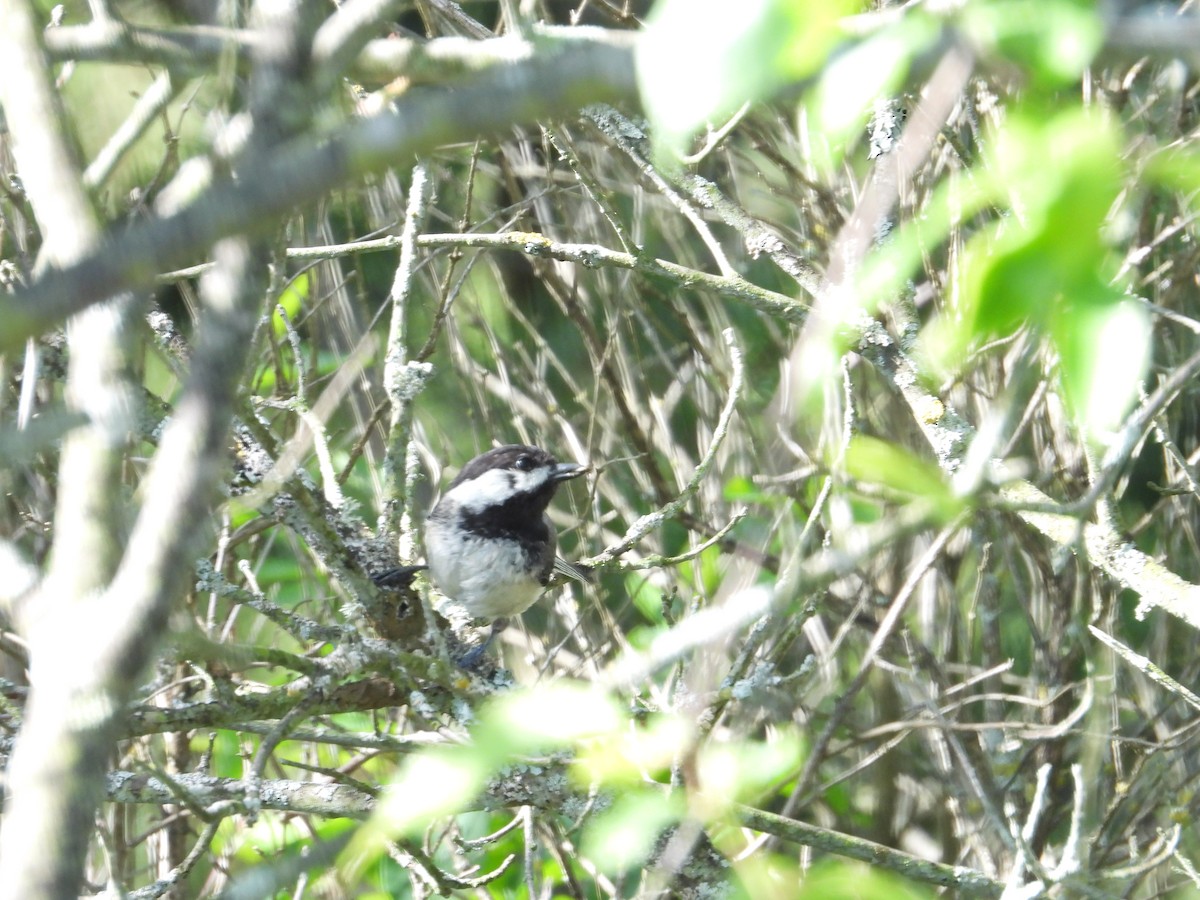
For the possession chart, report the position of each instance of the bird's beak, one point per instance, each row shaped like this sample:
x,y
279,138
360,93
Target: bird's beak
x,y
565,471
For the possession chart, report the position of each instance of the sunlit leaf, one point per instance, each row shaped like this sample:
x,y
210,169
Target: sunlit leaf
x,y
645,595
1053,40
1103,350
1048,263
699,60
292,299
1061,178
876,461
732,771
624,835
632,754
839,106
430,784
837,880
547,717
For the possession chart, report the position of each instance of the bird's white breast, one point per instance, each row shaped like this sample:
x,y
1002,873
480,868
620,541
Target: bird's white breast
x,y
488,577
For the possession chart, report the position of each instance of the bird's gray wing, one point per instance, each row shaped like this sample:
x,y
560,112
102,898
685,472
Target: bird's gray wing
x,y
581,574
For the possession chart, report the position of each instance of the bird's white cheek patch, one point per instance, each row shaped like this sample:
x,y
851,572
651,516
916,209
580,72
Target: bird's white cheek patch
x,y
495,487
489,489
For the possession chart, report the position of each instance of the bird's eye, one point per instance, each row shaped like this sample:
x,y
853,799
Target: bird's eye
x,y
524,463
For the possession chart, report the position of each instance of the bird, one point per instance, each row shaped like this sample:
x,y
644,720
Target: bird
x,y
489,545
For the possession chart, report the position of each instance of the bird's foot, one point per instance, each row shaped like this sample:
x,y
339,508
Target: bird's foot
x,y
471,658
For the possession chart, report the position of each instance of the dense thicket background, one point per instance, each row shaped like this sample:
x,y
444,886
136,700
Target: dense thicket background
x,y
885,376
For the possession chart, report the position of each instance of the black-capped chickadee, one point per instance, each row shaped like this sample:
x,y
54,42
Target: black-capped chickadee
x,y
488,543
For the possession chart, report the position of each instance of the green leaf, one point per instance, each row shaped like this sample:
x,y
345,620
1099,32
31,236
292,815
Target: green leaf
x,y
707,569
291,298
545,718
1049,263
645,595
227,754
837,880
1052,40
740,489
841,103
1062,177
1177,169
871,460
1103,343
433,783
699,60
268,838
1005,282
627,756
623,836
734,770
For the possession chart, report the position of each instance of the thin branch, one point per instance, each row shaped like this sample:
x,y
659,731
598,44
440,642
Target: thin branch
x,y
343,35
227,712
591,256
203,791
403,378
152,102
176,875
202,47
1155,584
1144,665
967,882
59,755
